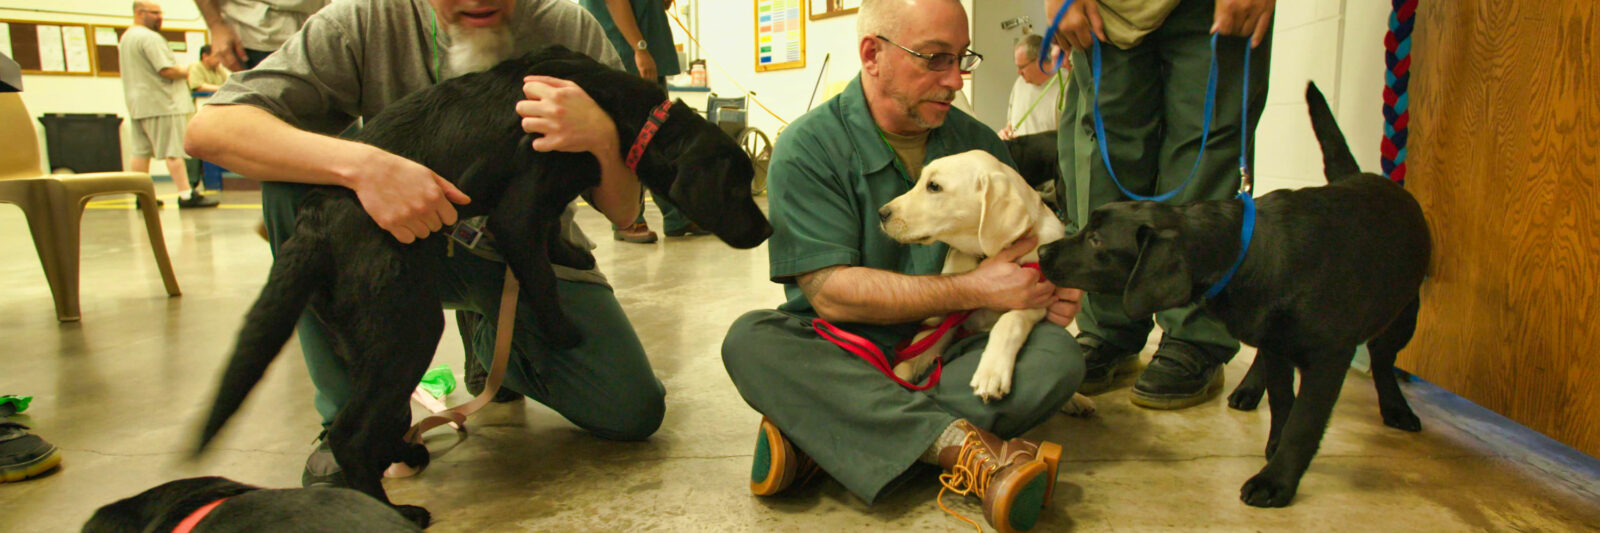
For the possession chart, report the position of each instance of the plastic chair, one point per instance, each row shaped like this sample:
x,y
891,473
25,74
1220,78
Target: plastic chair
x,y
54,205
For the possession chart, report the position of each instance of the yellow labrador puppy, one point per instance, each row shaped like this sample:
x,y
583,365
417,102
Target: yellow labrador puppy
x,y
978,206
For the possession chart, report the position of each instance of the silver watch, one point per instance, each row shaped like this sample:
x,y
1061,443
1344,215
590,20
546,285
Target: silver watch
x,y
641,45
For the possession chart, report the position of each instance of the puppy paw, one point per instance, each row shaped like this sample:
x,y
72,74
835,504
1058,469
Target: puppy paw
x,y
1245,397
1402,419
1079,406
991,382
416,515
1264,491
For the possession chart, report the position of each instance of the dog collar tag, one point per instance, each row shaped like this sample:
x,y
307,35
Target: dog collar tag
x,y
657,118
468,232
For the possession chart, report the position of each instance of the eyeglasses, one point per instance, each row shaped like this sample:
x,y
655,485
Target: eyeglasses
x,y
942,61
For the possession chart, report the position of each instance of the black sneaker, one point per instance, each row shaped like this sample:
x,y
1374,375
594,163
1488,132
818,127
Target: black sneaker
x,y
1178,376
138,203
477,375
196,200
322,470
1103,363
24,455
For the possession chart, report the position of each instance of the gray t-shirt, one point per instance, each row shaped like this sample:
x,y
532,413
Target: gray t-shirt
x,y
142,54
353,58
266,24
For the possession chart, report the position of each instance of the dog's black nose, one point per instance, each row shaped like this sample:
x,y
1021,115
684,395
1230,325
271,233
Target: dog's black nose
x,y
884,213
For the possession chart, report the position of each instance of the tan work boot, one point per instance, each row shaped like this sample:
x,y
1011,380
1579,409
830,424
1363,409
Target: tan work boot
x,y
778,463
1014,478
636,232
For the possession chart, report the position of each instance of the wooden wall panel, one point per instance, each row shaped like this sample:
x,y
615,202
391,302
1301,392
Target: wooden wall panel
x,y
1505,159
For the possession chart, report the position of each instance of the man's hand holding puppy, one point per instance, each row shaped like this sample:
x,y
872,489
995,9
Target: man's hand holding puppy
x,y
569,121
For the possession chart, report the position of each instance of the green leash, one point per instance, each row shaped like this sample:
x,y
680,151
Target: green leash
x,y
1061,97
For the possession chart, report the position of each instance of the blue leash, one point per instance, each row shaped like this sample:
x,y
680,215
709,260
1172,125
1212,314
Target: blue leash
x,y
1249,221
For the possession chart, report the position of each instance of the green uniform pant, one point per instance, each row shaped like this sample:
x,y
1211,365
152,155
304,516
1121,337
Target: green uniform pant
x,y
604,385
863,428
1152,100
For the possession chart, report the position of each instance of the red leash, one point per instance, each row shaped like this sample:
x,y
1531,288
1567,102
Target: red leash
x,y
866,350
189,522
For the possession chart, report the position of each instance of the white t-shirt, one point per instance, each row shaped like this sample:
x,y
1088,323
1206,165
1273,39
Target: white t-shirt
x,y
1046,114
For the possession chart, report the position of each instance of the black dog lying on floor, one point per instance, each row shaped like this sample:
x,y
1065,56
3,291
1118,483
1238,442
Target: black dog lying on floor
x,y
1329,268
375,295
247,509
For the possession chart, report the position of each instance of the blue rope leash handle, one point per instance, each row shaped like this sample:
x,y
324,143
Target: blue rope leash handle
x,y
1245,181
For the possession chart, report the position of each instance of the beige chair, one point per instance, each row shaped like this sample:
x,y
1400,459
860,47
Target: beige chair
x,y
54,205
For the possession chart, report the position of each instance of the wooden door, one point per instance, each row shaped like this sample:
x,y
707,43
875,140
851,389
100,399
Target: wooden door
x,y
1505,138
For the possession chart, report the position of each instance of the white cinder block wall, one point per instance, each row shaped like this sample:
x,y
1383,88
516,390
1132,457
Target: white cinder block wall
x,y
1339,45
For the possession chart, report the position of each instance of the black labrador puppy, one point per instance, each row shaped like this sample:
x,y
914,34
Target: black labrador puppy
x,y
1036,157
375,295
247,509
1329,268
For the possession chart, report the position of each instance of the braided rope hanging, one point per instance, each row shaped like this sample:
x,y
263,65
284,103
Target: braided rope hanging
x,y
1396,108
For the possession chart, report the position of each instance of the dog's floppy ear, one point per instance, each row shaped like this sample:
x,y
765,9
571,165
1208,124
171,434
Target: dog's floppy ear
x,y
1004,216
1160,278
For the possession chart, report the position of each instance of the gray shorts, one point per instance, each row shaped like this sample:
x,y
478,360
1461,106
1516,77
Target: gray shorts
x,y
159,137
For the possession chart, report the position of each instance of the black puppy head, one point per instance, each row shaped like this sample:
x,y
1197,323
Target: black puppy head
x,y
1131,248
707,175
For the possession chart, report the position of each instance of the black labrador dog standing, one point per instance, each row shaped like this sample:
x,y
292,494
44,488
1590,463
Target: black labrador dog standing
x,y
375,295
248,509
1329,268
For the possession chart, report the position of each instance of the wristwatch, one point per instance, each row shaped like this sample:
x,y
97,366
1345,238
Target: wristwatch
x,y
641,45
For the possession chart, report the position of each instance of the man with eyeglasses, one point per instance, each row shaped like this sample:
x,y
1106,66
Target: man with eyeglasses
x,y
831,171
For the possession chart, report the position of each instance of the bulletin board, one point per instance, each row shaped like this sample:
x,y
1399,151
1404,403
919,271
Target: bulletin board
x,y
780,34
48,48
821,9
109,60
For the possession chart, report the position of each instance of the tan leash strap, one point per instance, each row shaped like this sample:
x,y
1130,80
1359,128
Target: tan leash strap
x,y
457,415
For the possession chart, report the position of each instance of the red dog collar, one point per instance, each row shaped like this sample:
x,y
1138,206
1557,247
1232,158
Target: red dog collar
x,y
189,522
657,117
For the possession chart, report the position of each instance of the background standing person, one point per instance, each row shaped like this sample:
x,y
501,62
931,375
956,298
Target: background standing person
x,y
1037,97
156,90
245,31
1156,56
638,29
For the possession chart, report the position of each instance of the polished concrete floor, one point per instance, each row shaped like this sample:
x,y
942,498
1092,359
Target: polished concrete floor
x,y
121,391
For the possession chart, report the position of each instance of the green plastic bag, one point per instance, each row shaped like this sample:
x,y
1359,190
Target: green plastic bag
x,y
10,405
439,381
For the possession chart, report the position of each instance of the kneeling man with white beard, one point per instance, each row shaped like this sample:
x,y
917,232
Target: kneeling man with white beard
x,y
276,122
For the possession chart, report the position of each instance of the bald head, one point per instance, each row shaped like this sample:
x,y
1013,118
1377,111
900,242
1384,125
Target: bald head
x,y
889,17
147,13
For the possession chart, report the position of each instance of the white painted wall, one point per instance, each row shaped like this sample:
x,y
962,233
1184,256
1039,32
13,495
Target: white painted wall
x,y
80,94
1339,45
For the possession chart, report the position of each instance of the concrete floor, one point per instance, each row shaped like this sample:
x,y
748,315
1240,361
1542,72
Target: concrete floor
x,y
121,393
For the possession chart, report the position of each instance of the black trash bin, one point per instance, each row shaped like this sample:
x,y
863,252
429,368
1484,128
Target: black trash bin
x,y
83,142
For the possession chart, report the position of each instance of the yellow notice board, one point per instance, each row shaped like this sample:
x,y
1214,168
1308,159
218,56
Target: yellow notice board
x,y
780,34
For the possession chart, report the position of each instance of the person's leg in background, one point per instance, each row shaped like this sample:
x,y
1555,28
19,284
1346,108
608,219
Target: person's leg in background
x,y
1187,367
166,141
1130,105
637,232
